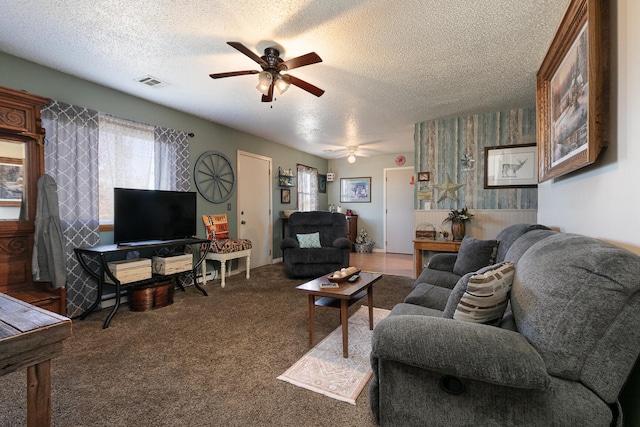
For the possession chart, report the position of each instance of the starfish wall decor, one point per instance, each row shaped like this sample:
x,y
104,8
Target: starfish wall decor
x,y
448,189
467,162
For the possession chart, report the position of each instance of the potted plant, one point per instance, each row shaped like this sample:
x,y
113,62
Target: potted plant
x,y
458,217
363,243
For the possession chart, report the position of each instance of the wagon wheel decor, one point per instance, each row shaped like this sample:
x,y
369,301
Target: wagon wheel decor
x,y
214,176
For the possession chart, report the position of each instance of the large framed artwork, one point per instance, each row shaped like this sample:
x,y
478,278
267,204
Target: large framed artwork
x,y
511,166
355,190
572,91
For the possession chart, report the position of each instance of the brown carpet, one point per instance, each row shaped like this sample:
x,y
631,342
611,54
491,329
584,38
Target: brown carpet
x,y
202,361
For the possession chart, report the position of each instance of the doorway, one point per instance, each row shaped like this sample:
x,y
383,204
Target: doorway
x,y
254,206
398,211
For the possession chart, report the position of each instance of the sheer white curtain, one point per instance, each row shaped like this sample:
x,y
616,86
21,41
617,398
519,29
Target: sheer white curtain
x,y
137,155
126,159
307,188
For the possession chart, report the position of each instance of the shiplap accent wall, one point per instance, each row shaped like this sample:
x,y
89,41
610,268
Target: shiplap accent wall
x,y
440,145
485,224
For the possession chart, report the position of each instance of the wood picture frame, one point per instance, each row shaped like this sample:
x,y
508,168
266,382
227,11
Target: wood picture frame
x,y
511,166
572,98
424,176
285,196
355,190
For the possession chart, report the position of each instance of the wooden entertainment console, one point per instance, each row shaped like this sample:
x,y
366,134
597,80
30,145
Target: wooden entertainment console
x,y
101,256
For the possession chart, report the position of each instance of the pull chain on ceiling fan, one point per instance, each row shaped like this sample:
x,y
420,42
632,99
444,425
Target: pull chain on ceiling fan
x,y
272,66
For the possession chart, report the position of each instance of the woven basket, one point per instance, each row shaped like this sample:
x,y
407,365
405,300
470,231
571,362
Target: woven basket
x,y
150,297
363,248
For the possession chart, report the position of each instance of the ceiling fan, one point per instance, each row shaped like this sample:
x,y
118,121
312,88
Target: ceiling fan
x,y
351,151
272,66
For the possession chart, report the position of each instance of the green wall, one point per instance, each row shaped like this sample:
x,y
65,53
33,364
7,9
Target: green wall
x,y
370,215
19,74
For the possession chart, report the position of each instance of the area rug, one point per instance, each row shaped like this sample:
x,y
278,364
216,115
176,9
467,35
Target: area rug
x,y
325,371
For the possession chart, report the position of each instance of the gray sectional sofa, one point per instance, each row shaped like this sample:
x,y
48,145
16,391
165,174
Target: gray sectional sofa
x,y
559,355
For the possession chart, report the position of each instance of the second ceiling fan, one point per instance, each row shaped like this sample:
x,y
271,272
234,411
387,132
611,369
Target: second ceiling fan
x,y
272,66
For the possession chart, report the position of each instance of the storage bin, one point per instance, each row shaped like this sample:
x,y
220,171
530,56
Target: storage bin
x,y
151,296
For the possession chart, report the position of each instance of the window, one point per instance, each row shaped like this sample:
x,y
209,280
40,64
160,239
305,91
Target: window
x,y
307,188
125,159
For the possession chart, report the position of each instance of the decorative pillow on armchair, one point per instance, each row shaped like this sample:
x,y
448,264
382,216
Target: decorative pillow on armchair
x,y
482,297
311,240
474,254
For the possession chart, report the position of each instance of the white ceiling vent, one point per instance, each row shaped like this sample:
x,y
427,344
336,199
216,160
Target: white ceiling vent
x,y
151,81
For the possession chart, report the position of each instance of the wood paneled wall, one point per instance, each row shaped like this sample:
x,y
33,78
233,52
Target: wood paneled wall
x,y
440,146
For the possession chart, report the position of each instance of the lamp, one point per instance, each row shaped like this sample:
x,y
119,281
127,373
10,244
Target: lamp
x,y
282,83
352,153
264,82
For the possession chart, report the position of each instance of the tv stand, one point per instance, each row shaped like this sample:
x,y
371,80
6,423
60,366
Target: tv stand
x,y
105,253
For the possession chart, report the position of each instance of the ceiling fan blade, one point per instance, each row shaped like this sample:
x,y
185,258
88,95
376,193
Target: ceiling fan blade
x,y
232,74
306,86
269,96
300,61
251,54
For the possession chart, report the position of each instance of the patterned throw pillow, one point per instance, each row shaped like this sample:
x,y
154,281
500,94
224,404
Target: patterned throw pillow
x,y
311,240
217,227
486,297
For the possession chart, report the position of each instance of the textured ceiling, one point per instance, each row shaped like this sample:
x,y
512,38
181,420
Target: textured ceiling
x,y
386,65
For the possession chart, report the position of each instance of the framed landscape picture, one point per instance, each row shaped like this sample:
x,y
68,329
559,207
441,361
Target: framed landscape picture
x,y
511,166
355,190
572,91
11,181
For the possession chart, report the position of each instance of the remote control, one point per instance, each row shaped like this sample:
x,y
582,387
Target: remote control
x,y
329,285
353,278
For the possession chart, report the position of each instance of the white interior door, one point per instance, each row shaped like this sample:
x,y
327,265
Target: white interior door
x,y
399,211
254,206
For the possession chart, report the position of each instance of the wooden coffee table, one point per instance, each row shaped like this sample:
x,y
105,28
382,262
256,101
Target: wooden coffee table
x,y
341,297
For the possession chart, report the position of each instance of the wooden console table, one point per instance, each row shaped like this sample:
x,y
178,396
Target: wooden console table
x,y
30,337
420,245
101,253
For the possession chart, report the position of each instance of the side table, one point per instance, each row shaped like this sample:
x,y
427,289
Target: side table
x,y
420,245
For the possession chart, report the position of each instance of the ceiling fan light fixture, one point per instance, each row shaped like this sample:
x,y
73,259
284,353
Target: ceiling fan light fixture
x,y
264,82
351,158
282,84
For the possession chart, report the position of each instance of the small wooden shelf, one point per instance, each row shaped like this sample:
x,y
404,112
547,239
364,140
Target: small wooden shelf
x,y
286,178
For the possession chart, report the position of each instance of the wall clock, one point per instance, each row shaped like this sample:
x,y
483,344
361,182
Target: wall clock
x,y
214,176
400,160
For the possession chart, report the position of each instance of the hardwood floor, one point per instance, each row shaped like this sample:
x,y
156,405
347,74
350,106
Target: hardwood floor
x,y
380,262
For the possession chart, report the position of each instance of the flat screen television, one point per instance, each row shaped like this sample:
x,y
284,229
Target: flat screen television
x,y
152,215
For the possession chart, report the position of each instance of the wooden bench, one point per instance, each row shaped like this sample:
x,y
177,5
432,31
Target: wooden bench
x,y
30,337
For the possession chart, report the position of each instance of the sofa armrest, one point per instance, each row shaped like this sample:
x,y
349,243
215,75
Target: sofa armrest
x,y
463,349
442,261
342,243
289,242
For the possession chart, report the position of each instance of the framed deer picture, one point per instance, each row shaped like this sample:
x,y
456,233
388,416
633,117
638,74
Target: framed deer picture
x,y
511,166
